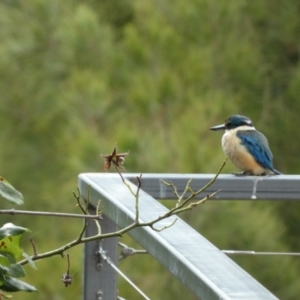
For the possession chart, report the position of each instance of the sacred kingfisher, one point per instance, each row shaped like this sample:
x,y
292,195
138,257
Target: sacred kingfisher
x,y
247,148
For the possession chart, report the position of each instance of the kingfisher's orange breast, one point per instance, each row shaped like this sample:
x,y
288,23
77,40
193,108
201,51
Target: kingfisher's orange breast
x,y
239,155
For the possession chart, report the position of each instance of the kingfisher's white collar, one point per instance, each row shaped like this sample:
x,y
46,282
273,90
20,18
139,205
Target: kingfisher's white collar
x,y
242,128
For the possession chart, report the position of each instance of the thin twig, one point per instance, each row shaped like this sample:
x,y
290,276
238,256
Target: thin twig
x,y
194,194
193,204
33,247
47,214
165,227
118,171
96,222
214,179
187,188
78,197
127,184
174,188
139,179
85,224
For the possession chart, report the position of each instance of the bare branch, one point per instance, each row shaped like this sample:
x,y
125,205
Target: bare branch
x,y
139,179
165,227
33,247
214,179
173,187
47,214
181,206
96,222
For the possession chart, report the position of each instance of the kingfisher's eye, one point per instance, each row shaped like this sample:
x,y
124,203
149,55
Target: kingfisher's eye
x,y
227,124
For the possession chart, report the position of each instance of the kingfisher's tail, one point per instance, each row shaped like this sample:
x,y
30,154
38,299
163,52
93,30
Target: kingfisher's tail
x,y
276,172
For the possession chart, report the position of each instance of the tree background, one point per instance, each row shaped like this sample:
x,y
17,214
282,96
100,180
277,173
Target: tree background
x,y
78,76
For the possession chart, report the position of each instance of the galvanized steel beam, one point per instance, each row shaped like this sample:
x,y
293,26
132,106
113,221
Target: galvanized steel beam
x,y
197,263
273,187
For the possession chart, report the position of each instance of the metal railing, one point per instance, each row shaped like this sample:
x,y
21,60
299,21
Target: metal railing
x,y
196,262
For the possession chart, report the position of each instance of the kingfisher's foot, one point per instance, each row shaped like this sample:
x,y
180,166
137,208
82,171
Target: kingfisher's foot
x,y
245,173
249,173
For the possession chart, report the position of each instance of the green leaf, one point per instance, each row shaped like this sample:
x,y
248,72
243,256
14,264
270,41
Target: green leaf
x,y
10,229
8,192
30,261
4,261
14,270
2,273
10,239
12,260
15,285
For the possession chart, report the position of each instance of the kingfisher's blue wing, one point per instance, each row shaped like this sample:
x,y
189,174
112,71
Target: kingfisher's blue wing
x,y
258,146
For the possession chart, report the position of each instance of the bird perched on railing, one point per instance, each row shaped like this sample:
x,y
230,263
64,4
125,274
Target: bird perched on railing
x,y
247,148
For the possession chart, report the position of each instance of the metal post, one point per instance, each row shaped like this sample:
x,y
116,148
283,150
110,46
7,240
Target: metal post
x,y
100,280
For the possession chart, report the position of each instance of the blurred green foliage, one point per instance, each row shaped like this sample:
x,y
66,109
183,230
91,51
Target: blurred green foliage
x,y
78,76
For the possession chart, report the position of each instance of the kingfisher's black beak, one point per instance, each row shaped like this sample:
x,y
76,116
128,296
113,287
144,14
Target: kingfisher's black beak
x,y
218,127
